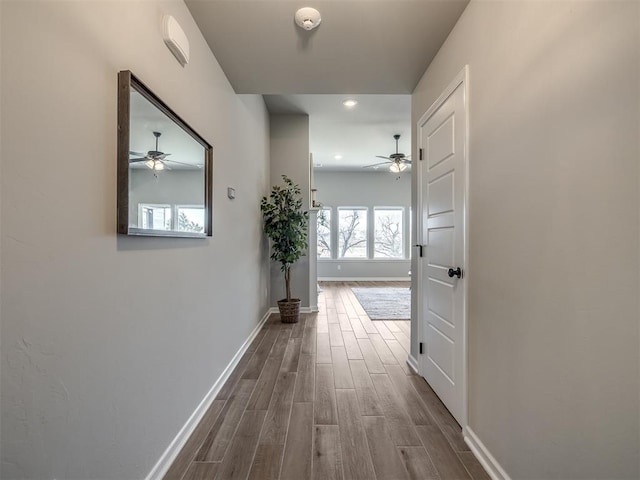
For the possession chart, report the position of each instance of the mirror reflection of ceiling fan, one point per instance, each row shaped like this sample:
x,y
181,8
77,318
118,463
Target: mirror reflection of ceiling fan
x,y
397,162
155,159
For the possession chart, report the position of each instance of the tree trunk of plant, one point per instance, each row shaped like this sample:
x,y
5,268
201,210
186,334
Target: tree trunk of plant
x,y
287,281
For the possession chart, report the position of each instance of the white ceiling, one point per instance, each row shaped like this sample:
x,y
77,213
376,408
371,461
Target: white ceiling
x,y
372,50
357,134
361,46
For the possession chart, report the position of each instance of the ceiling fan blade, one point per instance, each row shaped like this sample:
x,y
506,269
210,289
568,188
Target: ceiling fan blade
x,y
376,164
386,158
138,154
405,160
133,160
181,163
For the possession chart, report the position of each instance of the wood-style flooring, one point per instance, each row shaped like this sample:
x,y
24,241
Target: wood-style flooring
x,y
328,398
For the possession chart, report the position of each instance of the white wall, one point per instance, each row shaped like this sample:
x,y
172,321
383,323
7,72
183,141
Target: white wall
x,y
554,207
109,343
289,136
364,189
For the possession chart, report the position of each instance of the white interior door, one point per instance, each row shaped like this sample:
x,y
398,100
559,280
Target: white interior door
x,y
443,171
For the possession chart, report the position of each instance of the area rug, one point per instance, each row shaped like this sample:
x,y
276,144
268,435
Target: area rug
x,y
386,303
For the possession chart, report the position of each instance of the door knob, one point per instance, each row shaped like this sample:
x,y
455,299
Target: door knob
x,y
457,272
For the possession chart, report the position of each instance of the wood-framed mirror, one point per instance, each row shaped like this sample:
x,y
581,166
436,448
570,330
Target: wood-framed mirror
x,y
165,169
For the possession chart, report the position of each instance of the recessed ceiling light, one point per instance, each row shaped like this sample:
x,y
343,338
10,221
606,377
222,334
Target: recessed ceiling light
x,y
338,156
350,103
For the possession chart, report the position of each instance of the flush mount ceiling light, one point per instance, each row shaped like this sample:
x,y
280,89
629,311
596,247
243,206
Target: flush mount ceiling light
x,y
337,156
350,103
308,18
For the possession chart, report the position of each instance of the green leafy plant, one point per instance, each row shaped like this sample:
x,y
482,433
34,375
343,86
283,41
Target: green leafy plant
x,y
285,223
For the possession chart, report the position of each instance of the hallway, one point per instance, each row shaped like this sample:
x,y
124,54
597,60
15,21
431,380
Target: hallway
x,y
328,398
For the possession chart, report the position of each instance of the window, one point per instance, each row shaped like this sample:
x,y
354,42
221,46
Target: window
x,y
388,237
155,217
324,233
352,233
190,219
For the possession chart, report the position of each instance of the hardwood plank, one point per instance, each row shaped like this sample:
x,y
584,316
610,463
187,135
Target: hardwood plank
x,y
358,329
325,412
435,406
442,455
309,340
327,454
181,463
411,402
392,325
400,354
367,324
473,466
215,445
292,355
232,381
266,463
298,450
323,351
238,460
298,328
404,341
306,381
383,330
335,335
418,464
281,343
381,348
262,353
405,326
386,461
351,346
374,365
323,324
400,426
201,471
277,420
366,393
356,460
341,370
345,324
261,396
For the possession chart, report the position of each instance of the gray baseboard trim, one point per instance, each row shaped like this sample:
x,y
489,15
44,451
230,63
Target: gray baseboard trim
x,y
166,459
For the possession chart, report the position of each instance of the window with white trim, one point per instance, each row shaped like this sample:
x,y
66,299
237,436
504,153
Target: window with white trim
x,y
388,233
352,233
324,233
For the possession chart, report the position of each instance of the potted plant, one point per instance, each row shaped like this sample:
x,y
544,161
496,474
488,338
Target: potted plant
x,y
285,223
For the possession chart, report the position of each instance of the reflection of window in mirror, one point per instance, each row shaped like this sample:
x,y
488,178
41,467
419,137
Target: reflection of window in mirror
x,y
155,217
190,218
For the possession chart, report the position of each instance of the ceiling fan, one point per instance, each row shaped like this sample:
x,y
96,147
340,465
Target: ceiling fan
x,y
397,162
155,159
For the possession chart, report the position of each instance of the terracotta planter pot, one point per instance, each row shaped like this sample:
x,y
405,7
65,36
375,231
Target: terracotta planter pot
x,y
289,311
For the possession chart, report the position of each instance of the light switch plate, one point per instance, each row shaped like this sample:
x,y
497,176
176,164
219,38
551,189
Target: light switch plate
x,y
231,193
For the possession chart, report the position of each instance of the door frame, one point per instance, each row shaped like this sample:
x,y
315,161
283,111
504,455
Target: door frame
x,y
462,78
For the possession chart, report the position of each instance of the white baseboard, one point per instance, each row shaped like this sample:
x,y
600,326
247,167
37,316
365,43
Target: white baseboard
x,y
364,279
488,461
162,465
302,310
413,363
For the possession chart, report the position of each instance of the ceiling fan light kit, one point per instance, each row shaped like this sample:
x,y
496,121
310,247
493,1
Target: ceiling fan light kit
x,y
308,18
398,161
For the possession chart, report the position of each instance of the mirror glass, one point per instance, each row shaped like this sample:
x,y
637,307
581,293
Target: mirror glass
x,y
168,166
